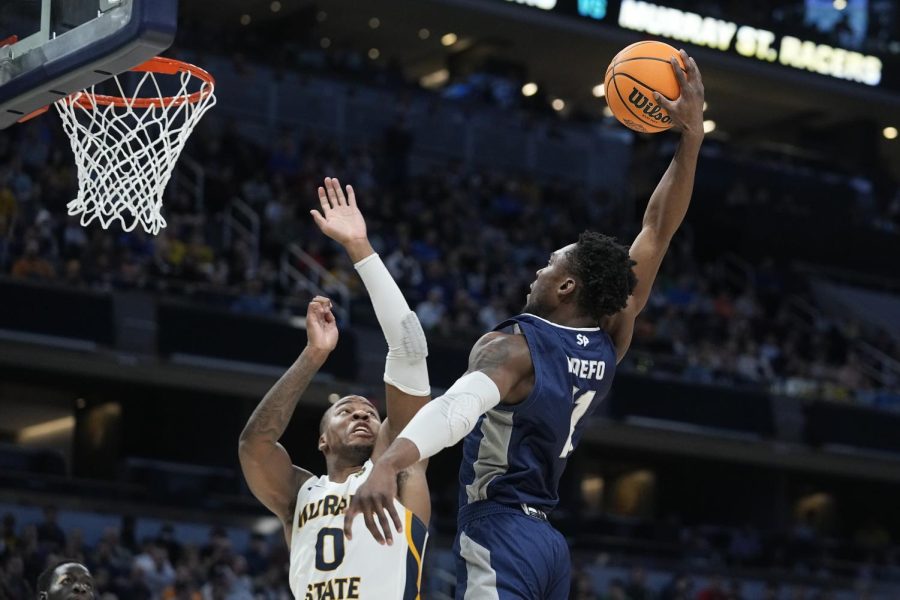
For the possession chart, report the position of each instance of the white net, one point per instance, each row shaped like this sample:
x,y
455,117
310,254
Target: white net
x,y
126,150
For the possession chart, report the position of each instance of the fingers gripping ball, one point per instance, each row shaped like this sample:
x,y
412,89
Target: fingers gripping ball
x,y
632,77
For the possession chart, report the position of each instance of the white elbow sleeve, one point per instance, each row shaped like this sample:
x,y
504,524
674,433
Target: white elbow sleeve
x,y
405,366
407,370
447,419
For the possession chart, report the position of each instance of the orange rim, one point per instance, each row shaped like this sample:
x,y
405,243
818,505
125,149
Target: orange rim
x,y
164,66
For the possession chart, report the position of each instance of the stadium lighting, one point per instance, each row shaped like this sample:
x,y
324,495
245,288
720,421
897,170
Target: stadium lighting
x,y
890,133
275,6
558,104
529,89
607,111
245,19
267,526
840,4
424,34
599,90
436,79
705,106
374,53
325,42
321,16
448,39
709,126
374,23
45,429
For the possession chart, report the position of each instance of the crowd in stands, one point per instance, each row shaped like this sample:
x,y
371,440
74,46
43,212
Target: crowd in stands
x,y
708,563
701,323
704,556
156,568
715,328
461,280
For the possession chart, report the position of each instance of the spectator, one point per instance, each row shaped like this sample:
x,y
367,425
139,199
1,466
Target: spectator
x,y
257,555
166,539
582,587
637,585
715,590
8,539
616,591
32,265
254,300
744,547
735,590
132,585
771,592
50,535
678,588
13,584
157,571
431,310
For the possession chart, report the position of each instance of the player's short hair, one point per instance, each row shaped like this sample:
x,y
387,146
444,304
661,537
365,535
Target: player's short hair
x,y
603,269
324,420
45,579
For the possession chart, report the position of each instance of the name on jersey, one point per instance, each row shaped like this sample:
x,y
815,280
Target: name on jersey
x,y
329,506
587,369
340,588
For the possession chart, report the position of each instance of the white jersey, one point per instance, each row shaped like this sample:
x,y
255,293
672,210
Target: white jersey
x,y
326,567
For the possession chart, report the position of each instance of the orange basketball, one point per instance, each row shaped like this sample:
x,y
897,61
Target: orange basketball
x,y
632,77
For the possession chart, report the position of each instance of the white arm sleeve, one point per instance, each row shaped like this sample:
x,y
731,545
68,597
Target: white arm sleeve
x,y
447,419
405,366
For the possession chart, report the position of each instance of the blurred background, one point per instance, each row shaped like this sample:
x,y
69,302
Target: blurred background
x,y
750,447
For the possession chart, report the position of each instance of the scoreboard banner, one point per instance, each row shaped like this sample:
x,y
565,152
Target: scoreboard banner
x,y
775,43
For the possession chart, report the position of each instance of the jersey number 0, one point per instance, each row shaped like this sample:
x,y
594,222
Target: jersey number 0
x,y
333,537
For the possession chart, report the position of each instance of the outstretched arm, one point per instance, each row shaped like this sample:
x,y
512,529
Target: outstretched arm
x,y
669,202
405,372
272,478
498,364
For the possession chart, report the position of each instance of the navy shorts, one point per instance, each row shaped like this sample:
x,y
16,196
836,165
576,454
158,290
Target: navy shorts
x,y
504,554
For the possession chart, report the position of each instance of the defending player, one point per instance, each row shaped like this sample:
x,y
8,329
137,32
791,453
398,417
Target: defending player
x,y
522,404
351,435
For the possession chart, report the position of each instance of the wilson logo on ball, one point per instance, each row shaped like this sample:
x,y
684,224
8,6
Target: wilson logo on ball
x,y
642,102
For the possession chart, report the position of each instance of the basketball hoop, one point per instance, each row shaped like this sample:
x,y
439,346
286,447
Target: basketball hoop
x,y
126,146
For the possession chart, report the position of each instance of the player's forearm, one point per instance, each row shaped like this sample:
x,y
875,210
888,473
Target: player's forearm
x,y
359,249
671,198
271,417
445,420
405,366
401,455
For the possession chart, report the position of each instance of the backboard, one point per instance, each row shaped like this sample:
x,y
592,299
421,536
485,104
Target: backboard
x,y
64,46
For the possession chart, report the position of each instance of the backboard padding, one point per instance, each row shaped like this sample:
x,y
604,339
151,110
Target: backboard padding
x,y
78,55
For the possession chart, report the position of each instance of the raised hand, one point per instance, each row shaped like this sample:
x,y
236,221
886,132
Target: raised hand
x,y
375,500
321,328
687,110
340,218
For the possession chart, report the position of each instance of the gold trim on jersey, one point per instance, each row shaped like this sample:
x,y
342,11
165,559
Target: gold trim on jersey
x,y
415,551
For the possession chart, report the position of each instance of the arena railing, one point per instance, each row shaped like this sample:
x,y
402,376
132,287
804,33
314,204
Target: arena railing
x,y
242,222
190,178
316,281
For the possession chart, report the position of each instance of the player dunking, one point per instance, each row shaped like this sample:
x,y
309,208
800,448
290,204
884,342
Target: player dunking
x,y
522,404
351,436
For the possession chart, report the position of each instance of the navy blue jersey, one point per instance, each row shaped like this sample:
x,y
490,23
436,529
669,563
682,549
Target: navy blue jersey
x,y
517,454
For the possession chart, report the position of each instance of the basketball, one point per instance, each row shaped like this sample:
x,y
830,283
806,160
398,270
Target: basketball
x,y
632,77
